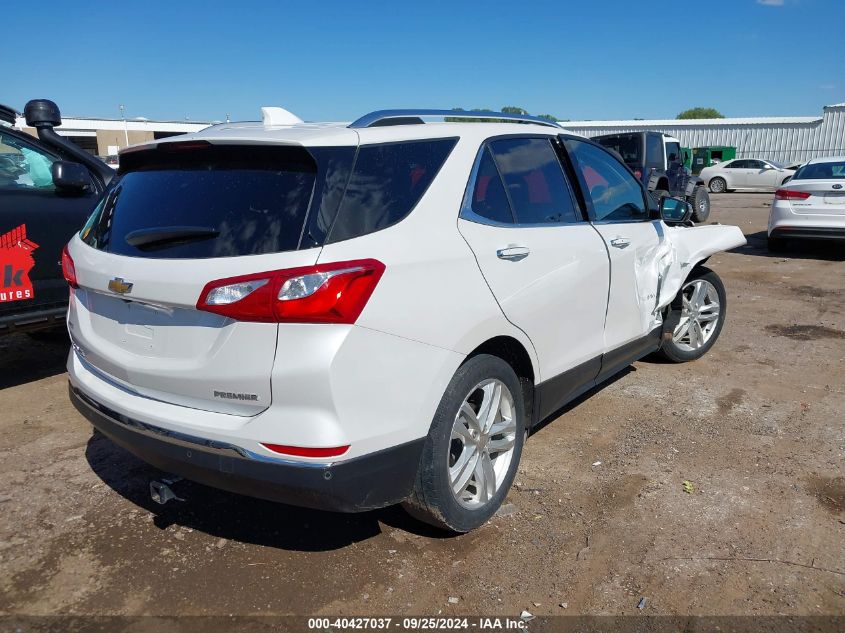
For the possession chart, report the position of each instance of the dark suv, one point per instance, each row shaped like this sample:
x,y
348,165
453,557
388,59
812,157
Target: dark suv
x,y
48,187
656,160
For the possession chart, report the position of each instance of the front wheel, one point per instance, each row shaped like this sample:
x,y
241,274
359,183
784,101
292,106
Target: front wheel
x,y
718,185
473,448
702,317
700,204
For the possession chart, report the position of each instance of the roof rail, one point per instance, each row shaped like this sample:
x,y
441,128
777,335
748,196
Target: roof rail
x,y
409,117
8,115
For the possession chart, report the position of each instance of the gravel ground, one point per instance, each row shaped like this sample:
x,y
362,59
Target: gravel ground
x,y
598,518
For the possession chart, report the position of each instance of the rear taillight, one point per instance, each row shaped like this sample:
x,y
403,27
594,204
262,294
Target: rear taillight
x,y
305,451
638,174
791,194
68,269
324,293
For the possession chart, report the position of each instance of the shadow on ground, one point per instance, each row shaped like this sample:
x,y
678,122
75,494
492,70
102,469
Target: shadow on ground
x,y
826,250
26,358
248,520
237,517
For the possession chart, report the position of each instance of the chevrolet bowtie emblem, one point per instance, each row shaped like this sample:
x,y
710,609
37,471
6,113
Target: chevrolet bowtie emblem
x,y
120,286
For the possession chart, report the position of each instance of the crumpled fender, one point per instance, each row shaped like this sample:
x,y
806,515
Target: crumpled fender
x,y
684,247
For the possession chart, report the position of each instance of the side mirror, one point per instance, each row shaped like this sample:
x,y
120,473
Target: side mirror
x,y
675,210
71,176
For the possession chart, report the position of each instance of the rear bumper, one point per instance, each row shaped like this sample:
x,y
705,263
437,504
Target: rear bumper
x,y
371,481
808,232
813,224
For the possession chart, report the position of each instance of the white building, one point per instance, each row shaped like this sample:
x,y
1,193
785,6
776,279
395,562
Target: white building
x,y
104,137
785,139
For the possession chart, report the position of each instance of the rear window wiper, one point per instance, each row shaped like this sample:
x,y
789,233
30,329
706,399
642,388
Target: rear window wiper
x,y
161,236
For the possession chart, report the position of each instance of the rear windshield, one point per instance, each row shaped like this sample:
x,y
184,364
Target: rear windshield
x,y
208,202
628,146
224,201
821,171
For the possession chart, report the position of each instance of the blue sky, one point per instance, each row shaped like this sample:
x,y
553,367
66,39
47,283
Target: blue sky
x,y
326,60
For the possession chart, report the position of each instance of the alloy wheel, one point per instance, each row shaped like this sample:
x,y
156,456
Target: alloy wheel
x,y
482,443
699,316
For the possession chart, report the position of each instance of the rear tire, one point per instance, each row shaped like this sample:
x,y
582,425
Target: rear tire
x,y
704,309
718,185
700,201
776,244
461,434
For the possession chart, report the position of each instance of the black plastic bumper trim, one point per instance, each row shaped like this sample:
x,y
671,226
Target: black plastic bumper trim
x,y
355,485
809,233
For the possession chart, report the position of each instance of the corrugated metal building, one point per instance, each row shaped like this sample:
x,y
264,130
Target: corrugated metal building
x,y
785,139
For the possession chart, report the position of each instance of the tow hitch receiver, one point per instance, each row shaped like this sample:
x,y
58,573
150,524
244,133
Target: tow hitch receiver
x,y
161,492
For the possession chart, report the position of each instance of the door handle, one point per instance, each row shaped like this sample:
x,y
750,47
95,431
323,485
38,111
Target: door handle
x,y
513,253
620,242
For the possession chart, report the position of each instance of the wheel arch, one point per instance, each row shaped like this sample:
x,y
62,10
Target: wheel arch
x,y
511,351
515,354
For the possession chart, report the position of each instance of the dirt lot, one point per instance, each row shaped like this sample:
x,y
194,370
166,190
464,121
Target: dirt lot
x,y
598,519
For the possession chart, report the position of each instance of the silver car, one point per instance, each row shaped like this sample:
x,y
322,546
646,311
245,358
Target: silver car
x,y
811,205
745,173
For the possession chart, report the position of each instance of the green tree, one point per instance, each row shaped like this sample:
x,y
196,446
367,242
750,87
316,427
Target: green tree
x,y
701,113
548,117
514,110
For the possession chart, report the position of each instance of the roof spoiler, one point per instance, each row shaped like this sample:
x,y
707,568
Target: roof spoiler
x,y
44,115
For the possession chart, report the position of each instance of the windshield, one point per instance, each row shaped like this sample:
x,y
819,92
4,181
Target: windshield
x,y
821,171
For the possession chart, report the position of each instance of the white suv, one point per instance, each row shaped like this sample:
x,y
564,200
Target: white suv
x,y
347,316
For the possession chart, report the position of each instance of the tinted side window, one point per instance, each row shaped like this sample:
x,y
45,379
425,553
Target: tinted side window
x,y
534,180
387,182
673,153
489,199
654,150
615,193
755,164
738,164
22,166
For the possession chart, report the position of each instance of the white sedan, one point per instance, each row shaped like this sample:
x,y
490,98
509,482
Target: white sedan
x,y
745,173
811,205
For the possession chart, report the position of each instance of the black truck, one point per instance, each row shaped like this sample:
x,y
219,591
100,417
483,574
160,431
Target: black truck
x,y
656,159
48,188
